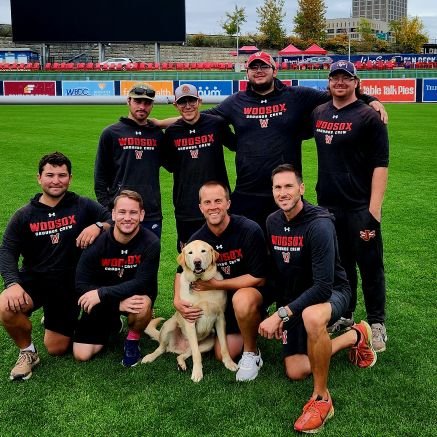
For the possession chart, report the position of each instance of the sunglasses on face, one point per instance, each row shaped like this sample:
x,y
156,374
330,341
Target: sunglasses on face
x,y
143,92
185,101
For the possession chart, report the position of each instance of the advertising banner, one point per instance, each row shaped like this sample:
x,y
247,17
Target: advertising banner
x,y
161,87
87,88
429,90
390,90
207,88
29,88
318,84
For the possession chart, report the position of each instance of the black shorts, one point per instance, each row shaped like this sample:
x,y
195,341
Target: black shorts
x,y
185,229
98,326
294,336
231,321
55,293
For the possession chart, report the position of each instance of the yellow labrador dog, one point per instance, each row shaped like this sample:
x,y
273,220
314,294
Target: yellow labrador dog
x,y
177,335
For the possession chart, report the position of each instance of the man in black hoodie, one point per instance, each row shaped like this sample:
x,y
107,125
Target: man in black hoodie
x,y
48,233
312,292
129,158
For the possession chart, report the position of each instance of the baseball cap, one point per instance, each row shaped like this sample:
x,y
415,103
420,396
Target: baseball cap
x,y
263,57
343,66
142,91
185,90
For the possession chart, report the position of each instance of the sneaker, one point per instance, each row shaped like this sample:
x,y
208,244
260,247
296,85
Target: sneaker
x,y
363,355
314,416
22,370
248,366
379,336
342,324
132,353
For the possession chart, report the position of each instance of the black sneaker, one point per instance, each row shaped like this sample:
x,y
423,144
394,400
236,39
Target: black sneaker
x,y
342,324
132,353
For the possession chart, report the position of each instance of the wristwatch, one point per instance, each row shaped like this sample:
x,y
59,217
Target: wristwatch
x,y
283,314
100,226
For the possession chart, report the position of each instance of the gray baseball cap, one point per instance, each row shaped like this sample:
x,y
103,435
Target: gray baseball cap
x,y
185,90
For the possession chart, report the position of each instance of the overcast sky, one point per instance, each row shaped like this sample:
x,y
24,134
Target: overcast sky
x,y
204,16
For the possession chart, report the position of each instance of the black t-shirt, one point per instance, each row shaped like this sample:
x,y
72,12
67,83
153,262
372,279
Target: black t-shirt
x,y
241,247
118,270
351,143
194,153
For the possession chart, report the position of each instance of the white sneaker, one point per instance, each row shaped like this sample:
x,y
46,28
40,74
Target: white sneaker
x,y
248,366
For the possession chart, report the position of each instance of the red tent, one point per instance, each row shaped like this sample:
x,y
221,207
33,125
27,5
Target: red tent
x,y
290,50
314,49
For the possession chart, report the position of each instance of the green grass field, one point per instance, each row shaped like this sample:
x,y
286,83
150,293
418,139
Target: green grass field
x,y
101,398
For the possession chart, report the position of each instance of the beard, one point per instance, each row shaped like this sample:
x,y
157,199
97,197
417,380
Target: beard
x,y
261,87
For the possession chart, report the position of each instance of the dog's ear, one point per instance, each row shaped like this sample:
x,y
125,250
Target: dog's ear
x,y
181,259
215,255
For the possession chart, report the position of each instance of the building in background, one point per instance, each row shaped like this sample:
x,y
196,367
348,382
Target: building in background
x,y
382,10
349,26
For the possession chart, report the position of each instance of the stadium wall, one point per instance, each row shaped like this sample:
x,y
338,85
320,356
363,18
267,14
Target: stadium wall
x,y
212,91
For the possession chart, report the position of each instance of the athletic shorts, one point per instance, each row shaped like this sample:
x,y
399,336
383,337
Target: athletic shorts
x,y
185,229
294,336
98,326
55,293
231,320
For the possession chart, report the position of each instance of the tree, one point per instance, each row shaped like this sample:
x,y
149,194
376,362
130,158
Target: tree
x,y
232,24
409,34
271,22
310,20
368,38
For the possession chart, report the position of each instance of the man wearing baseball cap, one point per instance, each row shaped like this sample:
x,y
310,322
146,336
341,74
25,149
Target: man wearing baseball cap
x,y
269,120
193,151
353,157
128,157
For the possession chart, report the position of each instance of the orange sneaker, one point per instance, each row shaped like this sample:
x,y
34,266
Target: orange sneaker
x,y
315,413
363,355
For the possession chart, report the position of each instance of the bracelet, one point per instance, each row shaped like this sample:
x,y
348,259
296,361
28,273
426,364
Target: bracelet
x,y
11,284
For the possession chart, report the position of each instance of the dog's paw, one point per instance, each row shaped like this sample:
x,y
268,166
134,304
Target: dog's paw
x,y
197,375
182,366
229,364
147,359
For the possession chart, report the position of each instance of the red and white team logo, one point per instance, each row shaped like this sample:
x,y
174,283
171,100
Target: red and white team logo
x,y
284,337
366,235
138,154
328,139
55,238
264,122
226,270
194,153
286,256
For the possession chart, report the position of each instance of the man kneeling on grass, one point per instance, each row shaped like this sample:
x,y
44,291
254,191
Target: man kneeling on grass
x,y
118,276
313,289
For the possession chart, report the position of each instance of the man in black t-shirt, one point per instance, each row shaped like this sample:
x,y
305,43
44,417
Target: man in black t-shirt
x,y
243,264
117,275
193,152
48,233
353,157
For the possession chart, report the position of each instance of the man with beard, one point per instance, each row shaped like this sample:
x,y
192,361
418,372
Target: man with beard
x,y
48,233
353,155
118,276
128,157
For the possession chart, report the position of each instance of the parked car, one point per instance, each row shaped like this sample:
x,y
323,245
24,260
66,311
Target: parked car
x,y
115,61
317,60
